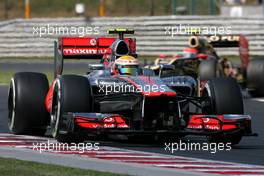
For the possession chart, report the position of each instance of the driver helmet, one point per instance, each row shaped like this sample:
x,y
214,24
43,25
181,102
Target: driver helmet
x,y
125,65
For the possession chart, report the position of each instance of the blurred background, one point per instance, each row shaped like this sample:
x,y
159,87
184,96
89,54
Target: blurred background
x,y
91,8
150,18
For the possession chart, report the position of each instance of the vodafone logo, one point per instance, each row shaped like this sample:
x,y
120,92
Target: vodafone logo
x,y
93,42
206,120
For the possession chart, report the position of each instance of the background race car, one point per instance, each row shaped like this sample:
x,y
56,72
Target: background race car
x,y
201,57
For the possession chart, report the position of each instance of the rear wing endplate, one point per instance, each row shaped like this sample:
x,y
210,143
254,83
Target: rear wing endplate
x,y
227,41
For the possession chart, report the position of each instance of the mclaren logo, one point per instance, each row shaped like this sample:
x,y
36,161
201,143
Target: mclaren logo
x,y
83,51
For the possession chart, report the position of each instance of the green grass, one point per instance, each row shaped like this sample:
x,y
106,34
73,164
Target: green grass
x,y
5,76
13,167
26,58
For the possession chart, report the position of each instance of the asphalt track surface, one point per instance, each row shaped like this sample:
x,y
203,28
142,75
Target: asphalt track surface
x,y
249,151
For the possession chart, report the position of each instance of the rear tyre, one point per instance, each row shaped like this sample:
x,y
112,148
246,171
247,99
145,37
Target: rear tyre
x,y
225,98
208,69
255,77
26,103
72,93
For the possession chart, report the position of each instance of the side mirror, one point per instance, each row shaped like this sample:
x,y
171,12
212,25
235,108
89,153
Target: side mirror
x,y
147,72
92,67
165,67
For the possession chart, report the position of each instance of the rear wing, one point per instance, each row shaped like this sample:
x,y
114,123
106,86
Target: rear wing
x,y
227,41
92,47
88,47
120,32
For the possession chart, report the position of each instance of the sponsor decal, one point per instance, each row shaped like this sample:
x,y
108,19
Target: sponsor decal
x,y
93,42
197,122
83,51
229,38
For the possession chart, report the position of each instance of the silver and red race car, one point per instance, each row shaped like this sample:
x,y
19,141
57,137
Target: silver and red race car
x,y
78,106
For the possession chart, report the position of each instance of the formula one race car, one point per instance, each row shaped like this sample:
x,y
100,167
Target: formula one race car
x,y
208,64
117,97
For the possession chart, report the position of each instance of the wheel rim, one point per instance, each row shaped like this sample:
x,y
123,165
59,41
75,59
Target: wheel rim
x,y
11,105
208,100
56,108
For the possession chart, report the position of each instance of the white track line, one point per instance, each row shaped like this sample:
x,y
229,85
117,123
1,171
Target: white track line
x,y
249,175
258,99
151,159
16,141
126,156
202,165
229,170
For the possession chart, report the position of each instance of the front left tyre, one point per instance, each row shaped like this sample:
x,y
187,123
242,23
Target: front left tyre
x,y
225,95
26,103
225,98
71,93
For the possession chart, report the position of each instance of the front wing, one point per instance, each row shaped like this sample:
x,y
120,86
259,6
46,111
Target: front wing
x,y
99,123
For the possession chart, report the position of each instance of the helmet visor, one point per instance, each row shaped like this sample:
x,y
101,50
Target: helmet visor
x,y
128,70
